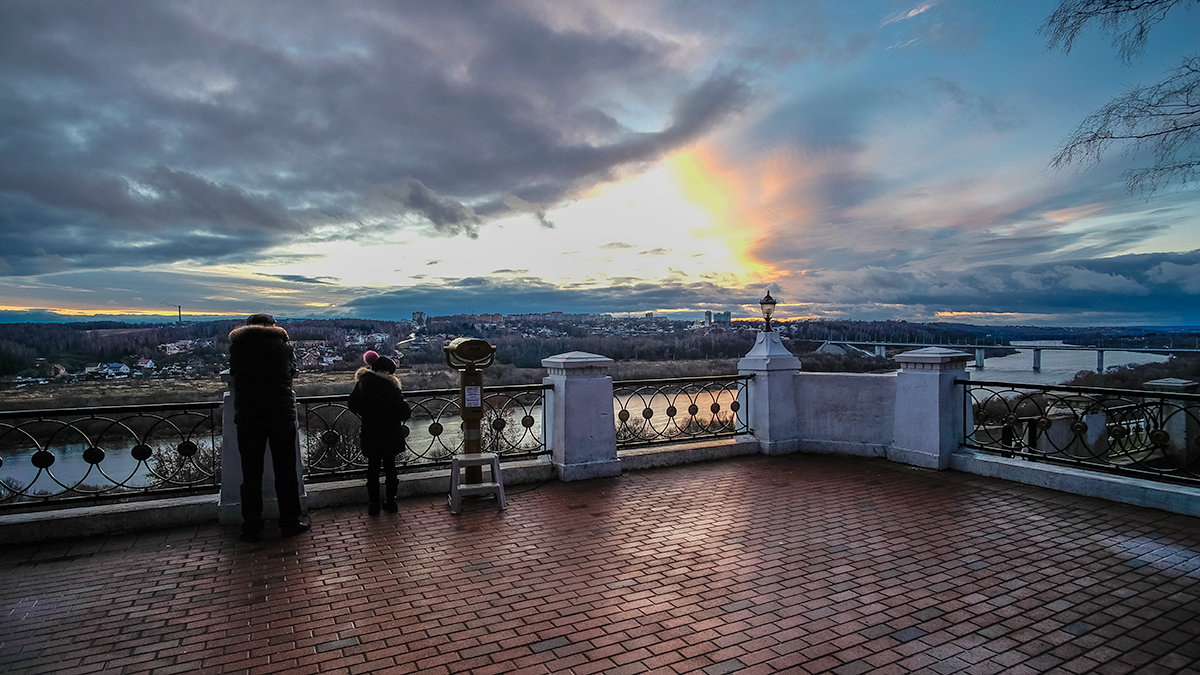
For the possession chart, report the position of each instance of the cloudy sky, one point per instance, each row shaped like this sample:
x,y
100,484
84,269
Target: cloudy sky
x,y
881,159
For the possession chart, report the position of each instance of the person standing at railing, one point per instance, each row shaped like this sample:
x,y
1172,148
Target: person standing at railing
x,y
378,400
262,365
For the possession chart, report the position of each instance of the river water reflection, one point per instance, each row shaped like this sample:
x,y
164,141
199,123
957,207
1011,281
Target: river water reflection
x,y
1058,366
70,468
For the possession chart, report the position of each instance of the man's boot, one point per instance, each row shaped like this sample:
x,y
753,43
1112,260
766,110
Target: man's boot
x,y
373,498
390,504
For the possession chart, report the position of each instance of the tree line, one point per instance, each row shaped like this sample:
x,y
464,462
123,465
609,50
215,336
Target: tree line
x,y
77,344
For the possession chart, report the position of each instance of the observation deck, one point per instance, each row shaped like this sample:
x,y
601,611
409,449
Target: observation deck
x,y
758,564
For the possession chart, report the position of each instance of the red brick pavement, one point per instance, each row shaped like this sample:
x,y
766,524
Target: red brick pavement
x,y
755,565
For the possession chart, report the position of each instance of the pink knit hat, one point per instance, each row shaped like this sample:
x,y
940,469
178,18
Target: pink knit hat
x,y
370,356
384,364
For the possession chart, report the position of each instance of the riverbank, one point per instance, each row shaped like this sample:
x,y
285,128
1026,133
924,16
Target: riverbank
x,y
139,391
1133,377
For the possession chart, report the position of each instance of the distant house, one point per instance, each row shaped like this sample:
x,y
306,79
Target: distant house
x,y
145,364
117,369
52,370
178,347
311,358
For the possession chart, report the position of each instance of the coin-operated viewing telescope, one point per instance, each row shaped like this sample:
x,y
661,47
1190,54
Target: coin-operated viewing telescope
x,y
469,356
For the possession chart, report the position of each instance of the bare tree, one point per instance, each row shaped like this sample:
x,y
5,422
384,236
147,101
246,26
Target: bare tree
x,y
1162,117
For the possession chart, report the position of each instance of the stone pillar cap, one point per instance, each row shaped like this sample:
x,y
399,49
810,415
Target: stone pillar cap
x,y
768,353
575,360
1173,384
932,355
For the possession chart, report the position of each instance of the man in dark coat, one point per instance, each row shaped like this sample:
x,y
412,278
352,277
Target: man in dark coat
x,y
262,364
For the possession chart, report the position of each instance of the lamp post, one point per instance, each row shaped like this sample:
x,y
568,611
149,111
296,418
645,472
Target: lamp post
x,y
768,308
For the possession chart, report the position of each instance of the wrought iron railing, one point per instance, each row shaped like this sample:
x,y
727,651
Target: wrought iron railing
x,y
1147,434
72,455
512,427
680,409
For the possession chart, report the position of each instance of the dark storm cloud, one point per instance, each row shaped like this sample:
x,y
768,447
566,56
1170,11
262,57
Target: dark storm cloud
x,y
139,124
301,279
523,295
448,216
1162,284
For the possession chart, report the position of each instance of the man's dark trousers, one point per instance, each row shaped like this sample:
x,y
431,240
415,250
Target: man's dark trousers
x,y
252,444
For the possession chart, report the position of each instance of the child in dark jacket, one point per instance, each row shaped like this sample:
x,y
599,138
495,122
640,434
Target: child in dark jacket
x,y
378,401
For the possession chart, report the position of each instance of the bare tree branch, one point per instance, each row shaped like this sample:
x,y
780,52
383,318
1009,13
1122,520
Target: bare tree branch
x,y
1163,118
1129,21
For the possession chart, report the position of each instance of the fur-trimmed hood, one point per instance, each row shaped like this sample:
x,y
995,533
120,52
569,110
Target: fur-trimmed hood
x,y
373,378
253,332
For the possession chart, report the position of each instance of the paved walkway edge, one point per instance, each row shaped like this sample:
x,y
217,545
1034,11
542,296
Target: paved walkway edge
x,y
1123,489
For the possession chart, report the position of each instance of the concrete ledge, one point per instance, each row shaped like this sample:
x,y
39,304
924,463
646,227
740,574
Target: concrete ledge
x,y
843,448
1122,489
588,470
686,453
416,484
85,521
925,460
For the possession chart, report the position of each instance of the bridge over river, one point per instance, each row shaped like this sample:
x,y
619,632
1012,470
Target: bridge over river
x,y
880,349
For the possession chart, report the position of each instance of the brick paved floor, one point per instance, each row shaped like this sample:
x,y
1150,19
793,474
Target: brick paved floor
x,y
755,565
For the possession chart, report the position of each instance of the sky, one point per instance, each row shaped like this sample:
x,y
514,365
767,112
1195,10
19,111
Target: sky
x,y
871,160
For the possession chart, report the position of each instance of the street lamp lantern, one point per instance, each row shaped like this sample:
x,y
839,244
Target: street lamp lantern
x,y
768,308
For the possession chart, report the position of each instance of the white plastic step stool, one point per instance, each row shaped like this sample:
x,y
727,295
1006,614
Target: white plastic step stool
x,y
458,490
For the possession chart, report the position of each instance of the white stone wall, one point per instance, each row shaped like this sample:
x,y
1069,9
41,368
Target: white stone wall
x,y
849,413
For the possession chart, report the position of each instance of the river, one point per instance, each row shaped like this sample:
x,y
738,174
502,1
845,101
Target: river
x,y
1058,366
69,468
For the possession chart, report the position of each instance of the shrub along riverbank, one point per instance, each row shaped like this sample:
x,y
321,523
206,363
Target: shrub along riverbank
x,y
1134,377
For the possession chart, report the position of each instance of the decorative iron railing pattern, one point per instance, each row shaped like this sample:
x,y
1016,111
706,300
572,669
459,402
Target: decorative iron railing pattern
x,y
69,455
512,427
679,409
1147,434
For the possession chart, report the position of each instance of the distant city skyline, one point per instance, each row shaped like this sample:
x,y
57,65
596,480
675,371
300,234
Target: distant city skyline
x,y
371,159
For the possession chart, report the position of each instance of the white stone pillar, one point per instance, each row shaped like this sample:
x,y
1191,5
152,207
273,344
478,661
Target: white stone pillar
x,y
581,428
229,504
1037,360
979,357
930,409
771,394
1180,421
